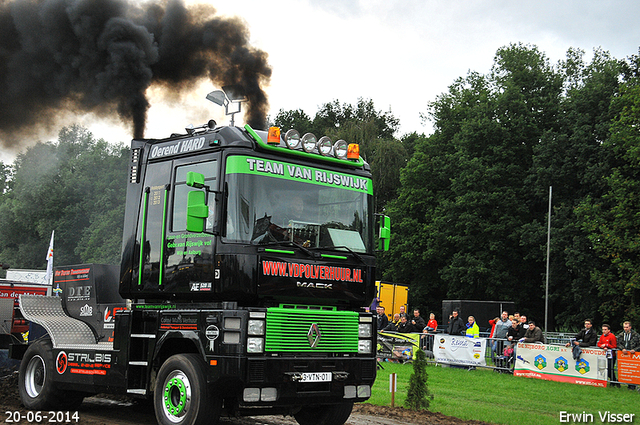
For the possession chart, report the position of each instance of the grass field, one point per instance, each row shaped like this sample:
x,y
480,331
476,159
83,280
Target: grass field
x,y
484,395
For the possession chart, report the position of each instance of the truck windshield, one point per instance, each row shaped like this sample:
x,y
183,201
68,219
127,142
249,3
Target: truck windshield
x,y
316,209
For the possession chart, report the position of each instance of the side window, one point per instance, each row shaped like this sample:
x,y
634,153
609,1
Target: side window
x,y
179,217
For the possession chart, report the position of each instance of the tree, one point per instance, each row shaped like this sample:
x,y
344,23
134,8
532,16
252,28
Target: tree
x,y
75,187
297,120
570,157
613,221
470,217
418,395
373,130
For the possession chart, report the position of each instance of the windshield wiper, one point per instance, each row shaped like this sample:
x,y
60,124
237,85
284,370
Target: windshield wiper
x,y
355,254
291,243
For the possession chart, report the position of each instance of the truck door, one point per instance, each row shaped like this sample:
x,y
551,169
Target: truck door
x,y
173,259
153,209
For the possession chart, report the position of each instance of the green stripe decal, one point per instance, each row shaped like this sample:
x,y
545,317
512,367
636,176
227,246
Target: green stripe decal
x,y
337,257
279,251
241,164
162,241
145,196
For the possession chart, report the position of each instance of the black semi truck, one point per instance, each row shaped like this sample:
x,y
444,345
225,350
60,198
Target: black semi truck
x,y
247,259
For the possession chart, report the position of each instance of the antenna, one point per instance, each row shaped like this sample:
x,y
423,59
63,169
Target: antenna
x,y
231,97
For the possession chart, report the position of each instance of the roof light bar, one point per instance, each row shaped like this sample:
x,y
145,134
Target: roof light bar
x,y
309,143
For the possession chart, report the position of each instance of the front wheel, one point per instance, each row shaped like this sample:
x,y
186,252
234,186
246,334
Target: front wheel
x,y
336,414
181,395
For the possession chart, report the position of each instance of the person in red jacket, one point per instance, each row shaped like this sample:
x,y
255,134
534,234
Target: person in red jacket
x,y
432,324
608,342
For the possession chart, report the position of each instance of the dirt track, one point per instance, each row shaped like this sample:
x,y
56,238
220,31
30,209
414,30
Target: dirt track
x,y
106,411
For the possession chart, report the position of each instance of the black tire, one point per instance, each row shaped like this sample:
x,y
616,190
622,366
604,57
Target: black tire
x,y
182,396
336,414
36,386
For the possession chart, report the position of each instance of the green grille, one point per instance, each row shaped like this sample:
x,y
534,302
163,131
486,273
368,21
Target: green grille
x,y
288,329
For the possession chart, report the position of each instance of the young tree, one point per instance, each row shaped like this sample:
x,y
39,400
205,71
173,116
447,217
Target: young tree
x,y
418,395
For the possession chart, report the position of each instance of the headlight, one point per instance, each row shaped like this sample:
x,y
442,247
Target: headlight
x,y
255,327
292,139
309,142
255,345
364,330
324,145
340,149
364,346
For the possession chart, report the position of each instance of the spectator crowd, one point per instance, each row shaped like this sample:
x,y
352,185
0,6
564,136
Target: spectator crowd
x,y
507,330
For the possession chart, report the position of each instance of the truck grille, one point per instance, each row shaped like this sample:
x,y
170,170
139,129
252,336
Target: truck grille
x,y
293,330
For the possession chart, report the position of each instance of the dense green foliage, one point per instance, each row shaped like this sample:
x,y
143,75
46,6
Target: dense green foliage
x,y
470,219
75,187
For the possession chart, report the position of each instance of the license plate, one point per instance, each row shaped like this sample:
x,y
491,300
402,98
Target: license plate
x,y
316,377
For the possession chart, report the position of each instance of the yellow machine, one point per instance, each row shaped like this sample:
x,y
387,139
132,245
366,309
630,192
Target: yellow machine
x,y
392,296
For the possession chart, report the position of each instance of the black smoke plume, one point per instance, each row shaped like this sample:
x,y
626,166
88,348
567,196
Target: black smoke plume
x,y
100,55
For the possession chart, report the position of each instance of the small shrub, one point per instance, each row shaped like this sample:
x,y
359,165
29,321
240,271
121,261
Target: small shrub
x,y
418,396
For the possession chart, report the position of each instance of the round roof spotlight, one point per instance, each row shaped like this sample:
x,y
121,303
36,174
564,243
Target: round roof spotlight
x,y
324,145
340,149
292,139
309,142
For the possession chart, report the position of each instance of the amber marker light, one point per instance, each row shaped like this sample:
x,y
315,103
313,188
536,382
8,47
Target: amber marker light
x,y
274,136
353,151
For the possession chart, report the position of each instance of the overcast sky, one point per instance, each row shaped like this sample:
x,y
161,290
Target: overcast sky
x,y
399,53
403,53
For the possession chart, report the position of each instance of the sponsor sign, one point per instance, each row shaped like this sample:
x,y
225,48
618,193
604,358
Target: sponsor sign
x,y
629,367
177,147
14,291
83,363
311,271
556,363
179,322
459,350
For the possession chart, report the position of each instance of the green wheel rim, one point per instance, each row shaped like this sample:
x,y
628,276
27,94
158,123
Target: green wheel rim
x,y
176,396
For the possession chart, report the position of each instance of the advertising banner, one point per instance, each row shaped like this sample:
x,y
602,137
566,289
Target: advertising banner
x,y
629,368
556,363
459,350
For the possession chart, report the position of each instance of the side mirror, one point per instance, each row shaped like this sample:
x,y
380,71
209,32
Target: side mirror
x,y
195,180
197,211
384,235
